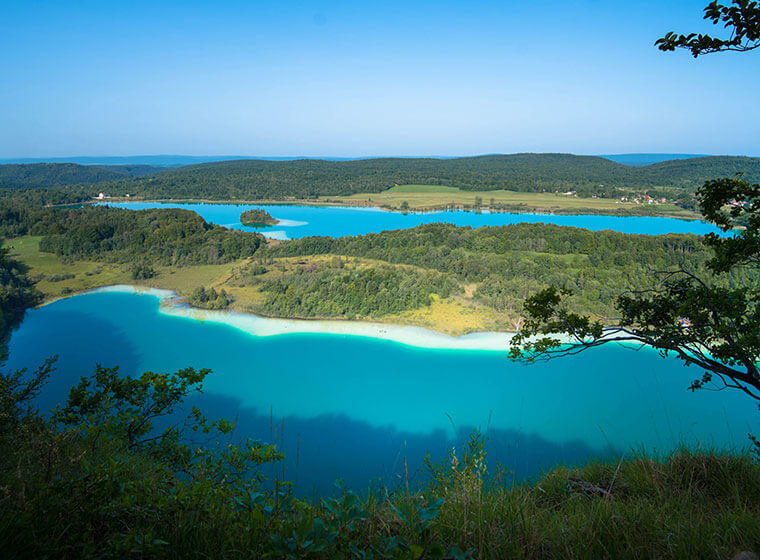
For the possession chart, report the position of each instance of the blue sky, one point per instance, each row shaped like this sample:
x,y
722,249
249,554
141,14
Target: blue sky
x,y
366,78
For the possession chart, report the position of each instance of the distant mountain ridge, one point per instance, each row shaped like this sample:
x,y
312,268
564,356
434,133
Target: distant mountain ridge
x,y
170,160
157,160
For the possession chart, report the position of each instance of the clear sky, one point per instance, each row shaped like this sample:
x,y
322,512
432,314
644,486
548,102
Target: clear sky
x,y
360,78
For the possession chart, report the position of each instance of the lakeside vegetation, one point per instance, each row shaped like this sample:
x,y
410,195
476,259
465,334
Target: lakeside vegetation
x,y
160,237
499,266
337,288
17,294
451,279
105,476
437,197
130,468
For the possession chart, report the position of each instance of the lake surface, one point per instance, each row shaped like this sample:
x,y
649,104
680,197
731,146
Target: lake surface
x,y
304,221
353,407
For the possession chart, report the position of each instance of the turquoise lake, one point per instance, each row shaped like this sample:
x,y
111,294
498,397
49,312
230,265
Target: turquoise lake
x,y
304,221
353,407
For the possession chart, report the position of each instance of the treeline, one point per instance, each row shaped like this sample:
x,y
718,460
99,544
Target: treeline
x,y
17,294
45,175
153,237
509,263
336,289
209,298
252,179
278,180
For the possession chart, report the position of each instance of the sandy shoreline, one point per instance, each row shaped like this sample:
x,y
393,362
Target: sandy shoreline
x,y
172,304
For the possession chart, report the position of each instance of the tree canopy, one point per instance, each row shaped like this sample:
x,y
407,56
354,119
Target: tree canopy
x,y
741,19
701,318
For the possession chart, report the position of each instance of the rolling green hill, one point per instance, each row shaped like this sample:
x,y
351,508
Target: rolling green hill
x,y
310,178
45,175
258,179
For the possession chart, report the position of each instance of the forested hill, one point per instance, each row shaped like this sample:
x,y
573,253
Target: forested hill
x,y
256,179
44,175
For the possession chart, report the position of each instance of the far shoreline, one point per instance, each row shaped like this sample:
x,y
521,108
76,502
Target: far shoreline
x,y
558,211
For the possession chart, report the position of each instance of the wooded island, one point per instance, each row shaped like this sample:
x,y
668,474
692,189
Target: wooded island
x,y
257,217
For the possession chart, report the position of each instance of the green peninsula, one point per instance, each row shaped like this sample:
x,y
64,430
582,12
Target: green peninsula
x,y
439,276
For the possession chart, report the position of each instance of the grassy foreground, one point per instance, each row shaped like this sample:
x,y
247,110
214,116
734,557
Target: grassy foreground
x,y
65,497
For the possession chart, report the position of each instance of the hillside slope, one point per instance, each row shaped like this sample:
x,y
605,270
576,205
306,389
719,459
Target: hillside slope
x,y
46,175
256,179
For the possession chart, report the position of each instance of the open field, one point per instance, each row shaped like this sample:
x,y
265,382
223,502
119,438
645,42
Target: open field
x,y
57,278
454,315
430,197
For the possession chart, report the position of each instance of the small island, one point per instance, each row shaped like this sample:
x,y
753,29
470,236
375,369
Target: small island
x,y
258,217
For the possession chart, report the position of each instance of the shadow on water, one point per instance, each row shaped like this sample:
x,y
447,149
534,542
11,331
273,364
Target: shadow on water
x,y
320,450
80,339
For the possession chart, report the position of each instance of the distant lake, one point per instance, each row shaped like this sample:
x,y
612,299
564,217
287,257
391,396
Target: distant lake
x,y
304,221
354,407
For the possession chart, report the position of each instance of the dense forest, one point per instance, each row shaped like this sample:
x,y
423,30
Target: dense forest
x,y
17,294
43,175
165,237
340,289
308,178
252,179
209,298
497,267
508,263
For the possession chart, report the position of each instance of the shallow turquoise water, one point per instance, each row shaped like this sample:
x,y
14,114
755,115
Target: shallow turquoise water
x,y
304,221
353,407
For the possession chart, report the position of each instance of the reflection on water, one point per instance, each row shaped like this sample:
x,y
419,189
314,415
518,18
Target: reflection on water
x,y
353,407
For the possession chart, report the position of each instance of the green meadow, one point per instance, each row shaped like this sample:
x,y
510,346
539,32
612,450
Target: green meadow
x,y
431,197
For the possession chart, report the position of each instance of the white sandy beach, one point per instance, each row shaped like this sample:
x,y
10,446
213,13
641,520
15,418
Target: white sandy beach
x,y
171,304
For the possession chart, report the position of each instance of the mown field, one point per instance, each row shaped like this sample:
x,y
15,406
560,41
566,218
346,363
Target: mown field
x,y
428,197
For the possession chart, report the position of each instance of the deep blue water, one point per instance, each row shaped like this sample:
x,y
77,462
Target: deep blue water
x,y
304,221
354,407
